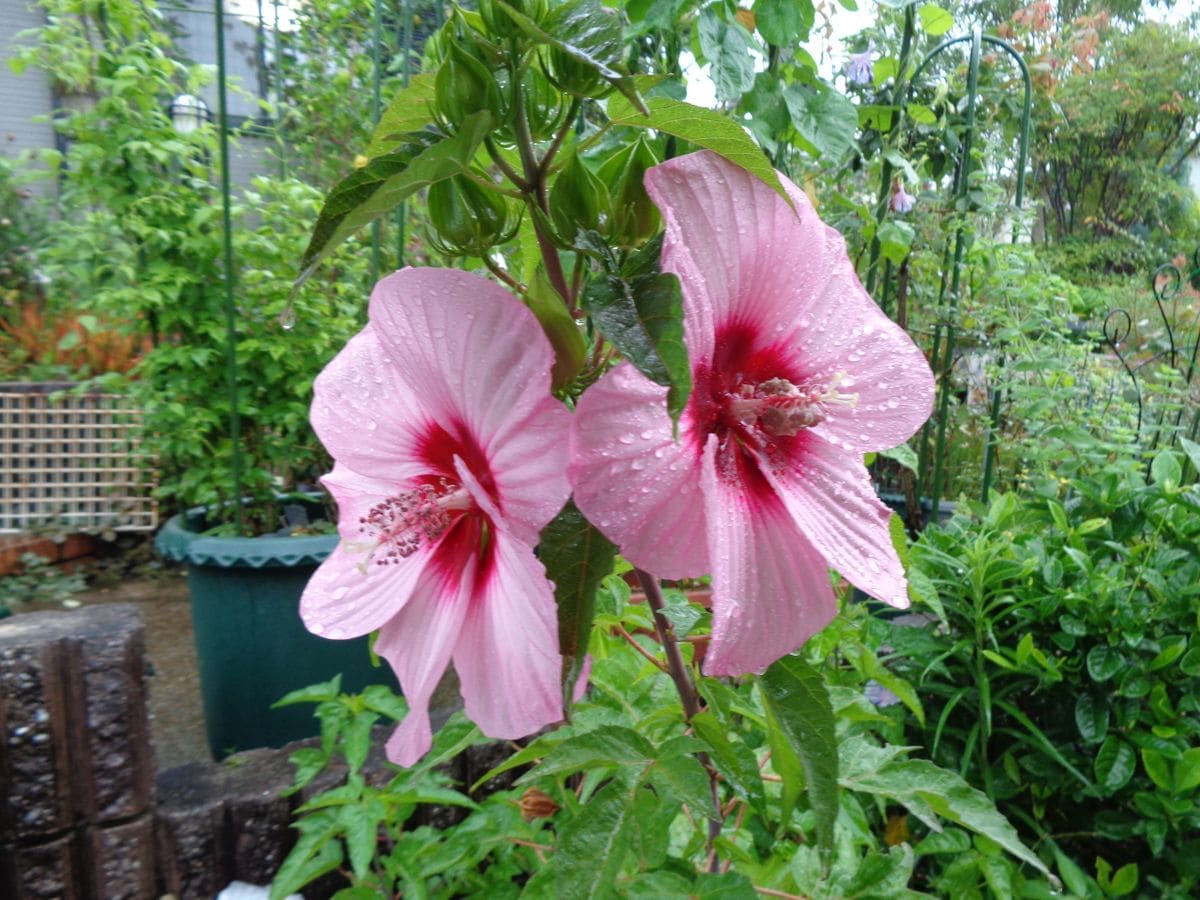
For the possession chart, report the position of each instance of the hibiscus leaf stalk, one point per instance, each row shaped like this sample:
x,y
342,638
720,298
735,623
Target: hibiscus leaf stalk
x,y
534,186
688,695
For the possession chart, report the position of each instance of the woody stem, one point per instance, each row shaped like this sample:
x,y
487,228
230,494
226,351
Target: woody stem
x,y
687,694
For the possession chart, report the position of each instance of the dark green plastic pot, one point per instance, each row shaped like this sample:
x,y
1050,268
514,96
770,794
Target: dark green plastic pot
x,y
251,645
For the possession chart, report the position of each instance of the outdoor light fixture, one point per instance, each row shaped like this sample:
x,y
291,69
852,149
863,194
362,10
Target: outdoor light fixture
x,y
188,112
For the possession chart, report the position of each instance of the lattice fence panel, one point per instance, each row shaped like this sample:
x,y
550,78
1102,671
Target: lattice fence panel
x,y
73,460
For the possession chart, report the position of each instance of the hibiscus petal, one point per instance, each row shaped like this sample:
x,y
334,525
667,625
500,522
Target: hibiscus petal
x,y
476,358
746,259
365,415
829,495
351,594
418,643
507,655
771,589
633,481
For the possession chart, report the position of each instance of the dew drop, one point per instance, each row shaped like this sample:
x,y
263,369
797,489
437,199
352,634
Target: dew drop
x,y
627,438
287,318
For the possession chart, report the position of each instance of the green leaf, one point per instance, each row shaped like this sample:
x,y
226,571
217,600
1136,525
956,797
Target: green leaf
x,y
608,746
1114,764
385,182
1091,718
683,778
590,850
1072,876
650,829
921,115
1187,771
643,317
1192,449
577,557
825,120
723,886
726,46
1104,662
316,852
410,110
734,760
935,21
1125,881
784,23
798,709
1157,768
703,127
1190,663
314,693
927,791
360,829
904,455
895,240
588,33
1165,469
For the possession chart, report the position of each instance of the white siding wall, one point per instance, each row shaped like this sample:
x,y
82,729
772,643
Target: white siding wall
x,y
22,97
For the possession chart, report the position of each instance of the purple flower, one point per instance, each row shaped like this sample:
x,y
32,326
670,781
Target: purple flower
x,y
902,201
859,68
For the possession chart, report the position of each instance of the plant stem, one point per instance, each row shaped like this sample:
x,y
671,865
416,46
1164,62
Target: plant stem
x,y
666,635
678,671
535,190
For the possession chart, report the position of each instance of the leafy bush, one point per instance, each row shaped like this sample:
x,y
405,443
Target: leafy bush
x,y
1060,675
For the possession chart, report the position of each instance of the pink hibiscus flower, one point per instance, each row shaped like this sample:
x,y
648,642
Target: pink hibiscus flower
x,y
450,458
796,374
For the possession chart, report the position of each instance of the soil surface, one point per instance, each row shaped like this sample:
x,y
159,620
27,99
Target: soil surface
x,y
176,715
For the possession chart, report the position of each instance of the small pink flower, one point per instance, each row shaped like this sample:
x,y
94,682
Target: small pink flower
x,y
796,374
901,200
450,458
858,68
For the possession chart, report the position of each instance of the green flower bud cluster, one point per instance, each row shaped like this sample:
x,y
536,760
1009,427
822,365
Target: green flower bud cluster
x,y
468,218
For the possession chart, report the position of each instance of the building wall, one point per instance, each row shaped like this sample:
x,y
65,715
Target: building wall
x,y
23,97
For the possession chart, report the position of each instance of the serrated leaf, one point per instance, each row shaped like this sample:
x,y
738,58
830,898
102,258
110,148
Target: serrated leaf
x,y
650,829
360,830
703,127
590,850
683,778
588,33
798,708
609,746
733,759
410,110
316,852
784,23
723,886
643,318
726,46
383,183
824,119
925,789
577,557
904,455
313,693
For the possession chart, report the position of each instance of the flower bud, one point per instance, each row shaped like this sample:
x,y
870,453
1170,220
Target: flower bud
x,y
578,201
464,86
469,219
537,804
634,216
571,75
500,24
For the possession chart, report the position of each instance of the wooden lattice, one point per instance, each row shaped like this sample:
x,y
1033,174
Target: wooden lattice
x,y
73,460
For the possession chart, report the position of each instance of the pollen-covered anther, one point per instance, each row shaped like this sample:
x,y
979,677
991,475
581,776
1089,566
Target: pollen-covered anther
x,y
783,409
402,522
